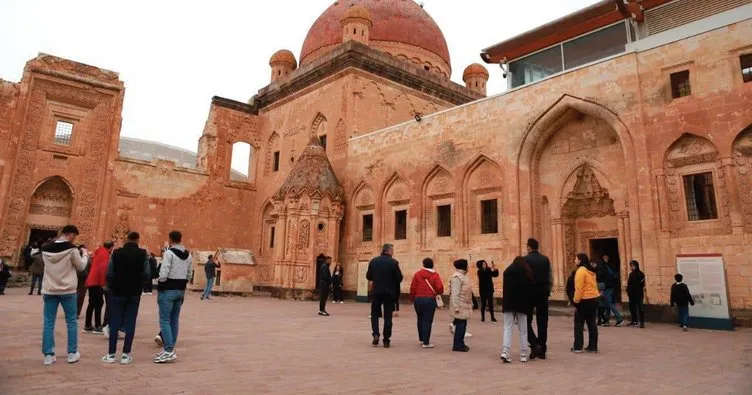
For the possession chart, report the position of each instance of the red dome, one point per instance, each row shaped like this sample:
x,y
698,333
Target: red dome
x,y
400,21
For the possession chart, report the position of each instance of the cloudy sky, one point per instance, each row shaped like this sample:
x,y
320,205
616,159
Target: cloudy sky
x,y
175,55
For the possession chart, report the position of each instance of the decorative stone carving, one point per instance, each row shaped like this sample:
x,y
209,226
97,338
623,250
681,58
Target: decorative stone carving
x,y
340,138
588,198
123,225
304,236
318,126
691,150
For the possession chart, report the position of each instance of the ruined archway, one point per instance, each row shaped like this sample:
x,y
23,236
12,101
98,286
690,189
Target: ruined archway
x,y
50,208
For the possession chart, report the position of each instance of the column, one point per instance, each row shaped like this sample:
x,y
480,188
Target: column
x,y
557,237
727,167
622,239
663,209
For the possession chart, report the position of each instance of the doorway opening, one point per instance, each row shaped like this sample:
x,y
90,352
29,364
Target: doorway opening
x,y
610,247
41,235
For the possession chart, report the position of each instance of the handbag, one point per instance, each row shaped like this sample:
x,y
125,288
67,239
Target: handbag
x,y
439,300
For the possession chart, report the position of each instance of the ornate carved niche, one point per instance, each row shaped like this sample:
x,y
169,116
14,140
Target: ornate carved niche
x,y
272,146
398,193
743,161
51,205
483,183
689,155
340,138
365,199
588,198
304,236
122,226
440,186
319,126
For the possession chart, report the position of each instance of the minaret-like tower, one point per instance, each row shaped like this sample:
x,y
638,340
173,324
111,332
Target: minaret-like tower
x,y
476,77
282,63
356,24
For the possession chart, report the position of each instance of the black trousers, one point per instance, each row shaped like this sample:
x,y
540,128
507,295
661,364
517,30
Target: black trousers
x,y
323,296
385,301
637,310
96,301
540,311
486,299
396,301
149,286
80,294
337,290
585,313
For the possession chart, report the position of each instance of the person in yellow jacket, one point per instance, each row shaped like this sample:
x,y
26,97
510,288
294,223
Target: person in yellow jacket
x,y
585,300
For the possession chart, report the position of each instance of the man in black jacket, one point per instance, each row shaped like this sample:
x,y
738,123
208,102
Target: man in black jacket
x,y
325,282
127,272
384,274
486,288
543,281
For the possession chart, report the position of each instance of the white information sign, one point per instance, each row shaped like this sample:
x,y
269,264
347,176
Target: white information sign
x,y
705,277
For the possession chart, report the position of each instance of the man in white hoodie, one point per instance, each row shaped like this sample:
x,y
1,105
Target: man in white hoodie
x,y
174,274
62,259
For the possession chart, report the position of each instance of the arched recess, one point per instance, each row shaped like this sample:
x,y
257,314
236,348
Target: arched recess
x,y
696,188
394,209
319,129
269,230
742,154
363,219
575,131
482,200
273,155
50,208
438,208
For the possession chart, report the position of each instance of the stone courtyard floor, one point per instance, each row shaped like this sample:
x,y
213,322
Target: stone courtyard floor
x,y
261,345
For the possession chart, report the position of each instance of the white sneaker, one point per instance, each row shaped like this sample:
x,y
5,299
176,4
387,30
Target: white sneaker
x,y
523,358
506,358
106,331
74,357
158,340
165,356
49,360
468,334
341,302
427,345
451,328
125,359
108,358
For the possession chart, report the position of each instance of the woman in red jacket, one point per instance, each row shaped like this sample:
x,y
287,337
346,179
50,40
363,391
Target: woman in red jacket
x,y
95,283
425,287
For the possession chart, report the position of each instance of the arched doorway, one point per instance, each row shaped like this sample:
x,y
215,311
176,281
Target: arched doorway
x,y
49,209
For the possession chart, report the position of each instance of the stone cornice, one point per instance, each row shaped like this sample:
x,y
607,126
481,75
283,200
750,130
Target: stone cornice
x,y
234,105
357,55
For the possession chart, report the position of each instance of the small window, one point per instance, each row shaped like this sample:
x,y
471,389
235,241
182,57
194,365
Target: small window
x,y
321,226
368,227
489,217
271,237
444,221
63,133
400,225
275,166
322,139
700,196
426,68
218,279
279,72
746,61
680,84
355,31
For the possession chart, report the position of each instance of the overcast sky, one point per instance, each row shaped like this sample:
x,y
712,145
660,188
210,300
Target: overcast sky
x,y
175,55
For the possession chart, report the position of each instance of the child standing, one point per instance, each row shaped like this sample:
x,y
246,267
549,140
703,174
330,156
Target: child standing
x,y
681,297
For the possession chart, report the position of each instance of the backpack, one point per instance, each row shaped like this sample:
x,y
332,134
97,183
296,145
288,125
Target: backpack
x,y
570,286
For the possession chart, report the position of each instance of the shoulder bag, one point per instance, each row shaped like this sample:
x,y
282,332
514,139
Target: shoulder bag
x,y
439,300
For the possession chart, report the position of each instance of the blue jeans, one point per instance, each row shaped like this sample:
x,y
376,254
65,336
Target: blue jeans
x,y
208,288
460,327
169,303
50,314
123,314
683,312
607,301
425,308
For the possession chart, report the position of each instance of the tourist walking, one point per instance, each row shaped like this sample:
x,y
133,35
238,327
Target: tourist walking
x,y
127,272
62,261
607,282
486,275
338,283
636,294
424,288
585,300
81,285
543,282
210,268
460,304
4,276
95,284
174,274
383,273
325,282
682,299
517,303
36,269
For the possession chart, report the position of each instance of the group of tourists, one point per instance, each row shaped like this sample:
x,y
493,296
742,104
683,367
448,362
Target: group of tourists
x,y
527,285
115,280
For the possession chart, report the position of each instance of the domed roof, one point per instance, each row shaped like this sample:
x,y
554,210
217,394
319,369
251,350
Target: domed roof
x,y
358,12
401,21
312,173
475,69
283,56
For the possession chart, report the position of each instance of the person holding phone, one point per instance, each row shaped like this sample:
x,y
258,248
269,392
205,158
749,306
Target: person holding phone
x,y
486,275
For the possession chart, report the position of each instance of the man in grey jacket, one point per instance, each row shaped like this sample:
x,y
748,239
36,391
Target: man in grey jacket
x,y
174,274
